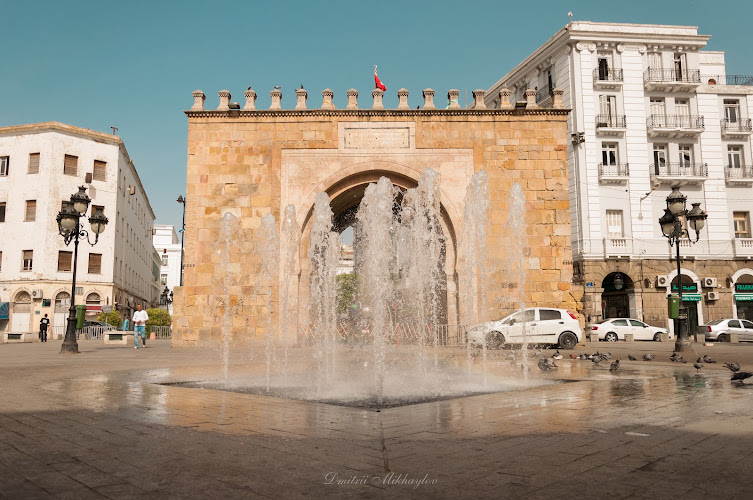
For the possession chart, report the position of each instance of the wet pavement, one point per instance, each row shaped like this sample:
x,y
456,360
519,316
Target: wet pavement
x,y
101,425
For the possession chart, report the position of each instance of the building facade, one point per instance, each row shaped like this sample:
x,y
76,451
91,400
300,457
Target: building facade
x,y
168,247
650,110
42,166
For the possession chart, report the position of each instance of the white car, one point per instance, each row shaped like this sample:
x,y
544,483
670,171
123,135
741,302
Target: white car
x,y
535,325
615,329
719,329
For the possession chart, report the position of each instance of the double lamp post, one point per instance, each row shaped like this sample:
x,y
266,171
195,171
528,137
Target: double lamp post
x,y
673,228
71,229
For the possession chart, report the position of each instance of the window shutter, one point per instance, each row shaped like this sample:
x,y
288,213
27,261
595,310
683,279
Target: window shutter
x,y
34,163
95,263
65,260
100,170
31,210
70,166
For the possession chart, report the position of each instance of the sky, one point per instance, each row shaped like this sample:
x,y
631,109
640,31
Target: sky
x,y
134,64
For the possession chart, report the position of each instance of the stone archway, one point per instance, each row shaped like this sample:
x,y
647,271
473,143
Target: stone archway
x,y
21,314
618,296
691,289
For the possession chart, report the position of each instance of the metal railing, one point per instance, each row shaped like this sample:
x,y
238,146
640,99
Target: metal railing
x,y
741,125
681,169
611,121
727,79
690,122
613,170
397,334
741,173
608,75
544,93
652,75
161,332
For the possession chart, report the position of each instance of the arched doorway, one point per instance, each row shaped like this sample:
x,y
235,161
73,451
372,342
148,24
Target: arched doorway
x,y
93,306
21,318
743,293
617,297
62,309
691,301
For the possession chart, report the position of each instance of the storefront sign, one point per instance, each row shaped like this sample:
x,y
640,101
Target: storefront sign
x,y
685,288
691,297
744,287
744,297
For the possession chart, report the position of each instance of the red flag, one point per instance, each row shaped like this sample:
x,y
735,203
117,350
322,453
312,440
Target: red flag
x,y
377,82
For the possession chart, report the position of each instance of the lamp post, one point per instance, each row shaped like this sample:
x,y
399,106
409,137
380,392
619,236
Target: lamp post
x,y
71,229
167,298
182,201
671,224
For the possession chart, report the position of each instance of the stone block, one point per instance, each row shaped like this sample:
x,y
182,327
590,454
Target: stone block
x,y
663,337
629,337
118,338
733,338
20,338
593,337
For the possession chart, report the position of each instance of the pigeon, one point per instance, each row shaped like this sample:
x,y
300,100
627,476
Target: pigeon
x,y
277,87
606,356
648,357
596,359
584,356
557,355
739,377
733,367
707,359
546,364
677,359
615,365
632,358
699,360
573,356
698,366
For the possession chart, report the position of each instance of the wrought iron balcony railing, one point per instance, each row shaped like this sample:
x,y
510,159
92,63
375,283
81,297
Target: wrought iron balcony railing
x,y
611,121
613,170
652,75
727,79
675,121
743,172
608,75
681,169
739,126
544,93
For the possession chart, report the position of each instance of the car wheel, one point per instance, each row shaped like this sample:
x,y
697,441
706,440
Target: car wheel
x,y
722,337
568,340
611,337
496,340
657,337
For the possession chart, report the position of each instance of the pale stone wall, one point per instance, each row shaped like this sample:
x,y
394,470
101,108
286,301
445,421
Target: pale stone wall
x,y
251,163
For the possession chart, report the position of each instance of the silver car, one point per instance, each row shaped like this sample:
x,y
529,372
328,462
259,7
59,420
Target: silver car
x,y
719,329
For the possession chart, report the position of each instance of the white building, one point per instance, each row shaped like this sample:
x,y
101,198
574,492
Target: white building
x,y
168,247
41,166
650,110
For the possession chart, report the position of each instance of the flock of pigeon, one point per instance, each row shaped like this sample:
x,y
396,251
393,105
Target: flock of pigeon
x,y
738,377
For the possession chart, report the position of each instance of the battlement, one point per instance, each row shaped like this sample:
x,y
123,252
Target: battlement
x,y
228,108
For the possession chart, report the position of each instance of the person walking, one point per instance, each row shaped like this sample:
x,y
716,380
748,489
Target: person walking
x,y
43,324
140,317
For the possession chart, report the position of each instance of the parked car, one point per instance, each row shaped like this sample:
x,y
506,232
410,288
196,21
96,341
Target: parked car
x,y
719,329
535,325
615,329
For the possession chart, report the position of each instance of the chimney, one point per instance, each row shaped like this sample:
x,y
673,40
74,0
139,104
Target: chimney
x,y
328,99
478,99
377,94
531,99
557,99
250,99
429,99
224,100
453,96
198,100
402,96
504,99
276,96
352,99
300,96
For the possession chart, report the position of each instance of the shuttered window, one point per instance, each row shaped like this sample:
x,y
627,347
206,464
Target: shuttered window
x,y
2,212
95,263
34,163
100,170
28,260
614,224
4,165
70,166
65,261
1,261
31,211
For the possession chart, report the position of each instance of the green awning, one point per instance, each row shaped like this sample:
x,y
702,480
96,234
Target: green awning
x,y
744,297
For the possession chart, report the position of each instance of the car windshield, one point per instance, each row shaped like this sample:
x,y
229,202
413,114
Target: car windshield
x,y
521,317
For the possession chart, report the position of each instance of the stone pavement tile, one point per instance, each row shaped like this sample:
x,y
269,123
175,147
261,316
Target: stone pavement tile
x,y
121,491
55,482
86,474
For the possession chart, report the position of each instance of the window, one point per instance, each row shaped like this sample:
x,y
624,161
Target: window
x,y
607,110
686,155
163,279
681,67
4,165
682,109
741,222
34,163
660,158
1,261
2,212
164,260
620,322
31,211
733,323
70,165
614,224
732,110
747,324
658,114
95,263
609,153
734,156
654,61
28,260
637,324
605,64
100,170
522,317
549,314
65,261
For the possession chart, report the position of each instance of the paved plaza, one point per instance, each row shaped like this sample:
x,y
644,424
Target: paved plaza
x,y
100,425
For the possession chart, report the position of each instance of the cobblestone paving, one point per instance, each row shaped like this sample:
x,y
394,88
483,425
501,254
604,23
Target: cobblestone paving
x,y
98,425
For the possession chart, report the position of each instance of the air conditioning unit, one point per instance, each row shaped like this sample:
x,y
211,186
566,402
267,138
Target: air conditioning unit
x,y
712,295
662,281
36,294
709,282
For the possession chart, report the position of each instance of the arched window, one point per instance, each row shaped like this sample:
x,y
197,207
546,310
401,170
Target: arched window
x,y
93,299
62,302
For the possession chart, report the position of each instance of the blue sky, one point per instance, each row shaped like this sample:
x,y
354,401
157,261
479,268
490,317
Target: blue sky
x,y
134,64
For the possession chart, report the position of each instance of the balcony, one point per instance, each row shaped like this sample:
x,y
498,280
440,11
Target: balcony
x,y
738,128
613,173
544,95
608,78
738,175
746,80
611,124
674,125
618,247
686,80
743,247
679,173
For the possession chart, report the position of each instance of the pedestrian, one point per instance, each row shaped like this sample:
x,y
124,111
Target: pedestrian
x,y
140,318
43,324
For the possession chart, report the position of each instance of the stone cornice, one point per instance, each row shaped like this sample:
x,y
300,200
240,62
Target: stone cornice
x,y
374,112
33,128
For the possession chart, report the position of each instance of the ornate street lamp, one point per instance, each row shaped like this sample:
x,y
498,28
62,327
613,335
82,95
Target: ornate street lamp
x,y
71,229
166,298
182,201
671,228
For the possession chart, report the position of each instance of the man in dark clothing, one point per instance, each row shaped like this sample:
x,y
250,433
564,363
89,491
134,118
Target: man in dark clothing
x,y
43,324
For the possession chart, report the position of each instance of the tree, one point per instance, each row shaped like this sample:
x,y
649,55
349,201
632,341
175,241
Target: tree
x,y
158,317
346,291
112,318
